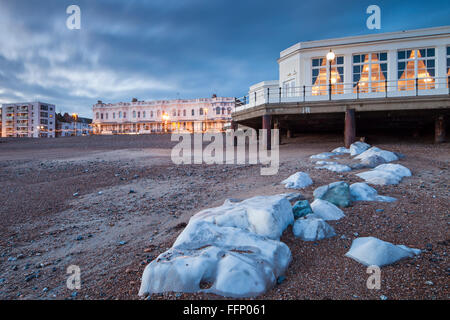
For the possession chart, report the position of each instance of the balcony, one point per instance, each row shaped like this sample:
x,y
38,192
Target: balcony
x,y
345,91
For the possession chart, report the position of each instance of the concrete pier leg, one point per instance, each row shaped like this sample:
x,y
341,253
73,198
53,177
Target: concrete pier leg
x,y
267,124
439,129
350,128
276,125
289,133
234,127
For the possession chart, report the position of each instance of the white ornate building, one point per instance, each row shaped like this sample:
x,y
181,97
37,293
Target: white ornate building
x,y
140,117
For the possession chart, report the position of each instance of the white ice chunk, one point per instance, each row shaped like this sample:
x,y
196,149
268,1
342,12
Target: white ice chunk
x,y
322,163
397,169
361,191
326,210
312,229
388,156
379,177
323,155
298,180
372,251
335,167
341,150
358,148
226,250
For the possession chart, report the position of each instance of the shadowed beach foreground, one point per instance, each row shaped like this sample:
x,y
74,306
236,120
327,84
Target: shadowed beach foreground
x,y
112,204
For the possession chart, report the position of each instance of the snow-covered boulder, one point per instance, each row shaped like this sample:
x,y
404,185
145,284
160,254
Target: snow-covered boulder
x,y
371,251
232,250
323,163
388,156
385,174
326,210
337,193
312,229
358,148
324,155
298,180
268,216
341,150
372,161
379,177
360,191
397,169
335,167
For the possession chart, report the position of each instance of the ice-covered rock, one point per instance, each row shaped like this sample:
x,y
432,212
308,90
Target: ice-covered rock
x,y
326,210
335,167
312,229
341,150
323,155
323,163
358,148
298,180
294,196
264,215
337,193
226,250
360,191
397,169
388,156
372,161
379,177
371,251
301,208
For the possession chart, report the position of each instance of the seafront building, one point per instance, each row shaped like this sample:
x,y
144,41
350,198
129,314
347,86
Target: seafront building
x,y
28,119
397,76
162,116
72,125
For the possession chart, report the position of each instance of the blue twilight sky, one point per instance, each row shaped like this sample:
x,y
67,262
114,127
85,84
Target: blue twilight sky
x,y
158,49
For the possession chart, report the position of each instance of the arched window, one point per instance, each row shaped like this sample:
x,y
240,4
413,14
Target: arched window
x,y
223,110
120,114
201,111
151,114
184,113
193,112
134,114
96,115
218,110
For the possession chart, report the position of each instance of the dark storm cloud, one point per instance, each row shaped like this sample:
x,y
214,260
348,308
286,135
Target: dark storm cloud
x,y
165,49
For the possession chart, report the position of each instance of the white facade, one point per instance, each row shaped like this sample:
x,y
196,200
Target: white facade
x,y
68,129
194,115
392,64
28,119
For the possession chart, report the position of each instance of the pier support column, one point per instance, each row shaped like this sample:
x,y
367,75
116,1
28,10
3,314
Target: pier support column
x,y
289,133
350,128
267,124
276,125
234,127
439,129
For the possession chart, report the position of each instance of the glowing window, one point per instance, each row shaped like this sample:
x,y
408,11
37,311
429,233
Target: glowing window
x,y
416,64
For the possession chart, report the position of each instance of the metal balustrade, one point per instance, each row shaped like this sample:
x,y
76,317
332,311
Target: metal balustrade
x,y
346,91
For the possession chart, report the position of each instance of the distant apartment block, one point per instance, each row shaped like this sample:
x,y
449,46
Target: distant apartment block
x,y
140,117
28,119
67,126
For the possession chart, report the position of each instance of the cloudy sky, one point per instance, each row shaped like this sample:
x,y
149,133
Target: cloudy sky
x,y
158,49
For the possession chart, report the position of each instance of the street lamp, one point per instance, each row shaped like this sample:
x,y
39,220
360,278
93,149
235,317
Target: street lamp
x,y
330,58
75,117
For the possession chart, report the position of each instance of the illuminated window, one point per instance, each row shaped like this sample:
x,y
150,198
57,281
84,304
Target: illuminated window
x,y
369,72
416,64
320,76
448,64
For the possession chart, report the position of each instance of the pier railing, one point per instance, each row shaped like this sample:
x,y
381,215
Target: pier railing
x,y
344,91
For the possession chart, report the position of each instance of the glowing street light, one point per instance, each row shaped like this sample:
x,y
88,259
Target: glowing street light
x,y
330,57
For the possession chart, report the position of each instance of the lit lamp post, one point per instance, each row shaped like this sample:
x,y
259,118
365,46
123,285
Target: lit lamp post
x,y
330,58
75,117
165,117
